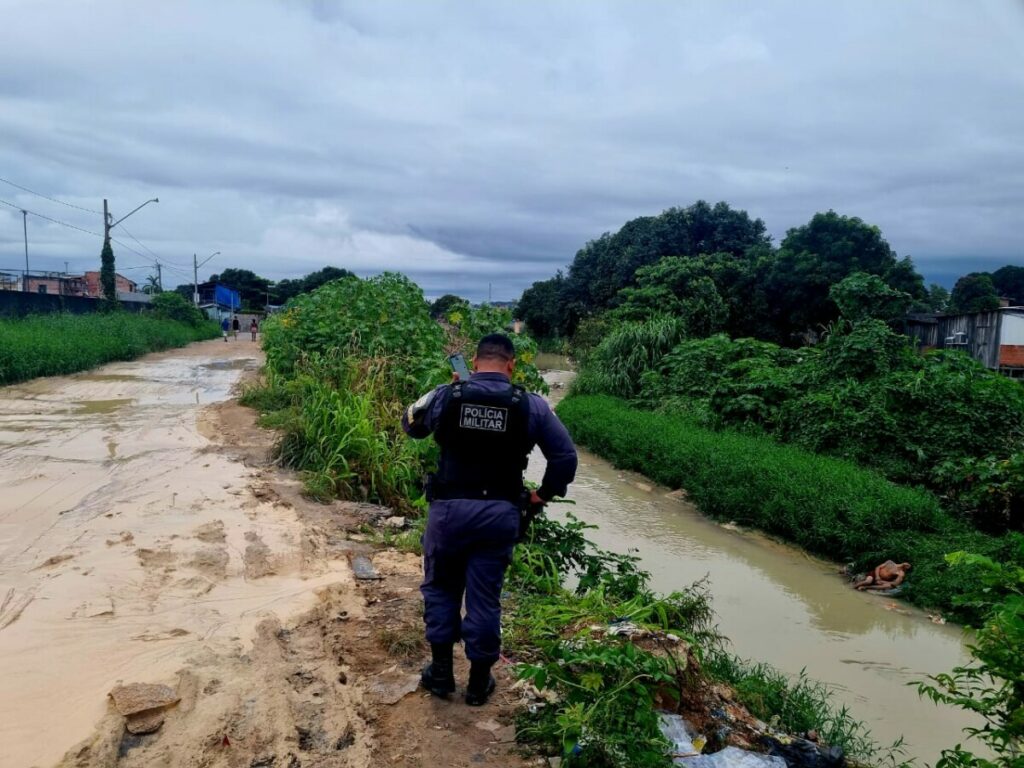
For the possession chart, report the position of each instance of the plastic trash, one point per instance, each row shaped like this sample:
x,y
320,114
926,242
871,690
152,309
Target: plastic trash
x,y
801,753
732,757
680,734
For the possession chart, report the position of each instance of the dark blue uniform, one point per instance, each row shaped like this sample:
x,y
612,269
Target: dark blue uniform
x,y
468,542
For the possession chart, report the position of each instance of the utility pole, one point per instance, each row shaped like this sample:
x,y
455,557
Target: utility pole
x,y
159,278
109,224
24,224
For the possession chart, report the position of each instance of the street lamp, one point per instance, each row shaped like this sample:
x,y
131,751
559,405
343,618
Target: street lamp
x,y
109,225
195,274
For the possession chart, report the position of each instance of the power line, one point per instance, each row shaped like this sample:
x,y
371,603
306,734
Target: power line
x,y
55,221
133,237
45,197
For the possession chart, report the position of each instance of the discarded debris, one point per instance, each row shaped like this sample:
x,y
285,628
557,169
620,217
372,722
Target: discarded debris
x,y
363,568
145,722
391,685
732,757
396,522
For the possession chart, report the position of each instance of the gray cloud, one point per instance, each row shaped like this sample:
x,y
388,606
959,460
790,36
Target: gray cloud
x,y
474,143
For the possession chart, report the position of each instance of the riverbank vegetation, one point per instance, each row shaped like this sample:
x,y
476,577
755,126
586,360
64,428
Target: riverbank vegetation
x,y
341,364
775,386
60,343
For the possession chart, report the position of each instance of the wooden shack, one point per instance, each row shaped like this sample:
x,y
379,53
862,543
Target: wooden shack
x,y
995,339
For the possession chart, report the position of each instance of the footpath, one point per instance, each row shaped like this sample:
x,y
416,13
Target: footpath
x,y
149,548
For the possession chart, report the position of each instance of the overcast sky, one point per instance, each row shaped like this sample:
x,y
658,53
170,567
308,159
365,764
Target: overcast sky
x,y
468,143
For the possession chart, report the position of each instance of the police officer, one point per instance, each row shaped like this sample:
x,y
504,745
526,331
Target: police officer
x,y
486,428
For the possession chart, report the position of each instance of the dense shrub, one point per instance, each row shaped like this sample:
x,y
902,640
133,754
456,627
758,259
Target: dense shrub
x,y
174,306
863,394
342,363
48,345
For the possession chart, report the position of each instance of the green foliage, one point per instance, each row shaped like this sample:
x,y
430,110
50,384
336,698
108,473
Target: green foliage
x,y
619,362
974,292
383,317
287,289
609,687
545,309
862,395
937,299
1009,282
988,489
172,306
827,506
992,685
813,258
48,345
340,425
442,306
343,361
108,277
466,326
861,296
675,287
796,706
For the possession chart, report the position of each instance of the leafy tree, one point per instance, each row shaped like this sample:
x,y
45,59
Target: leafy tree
x,y
974,292
251,287
445,304
861,296
543,306
816,256
152,285
677,287
938,298
1009,282
606,265
108,277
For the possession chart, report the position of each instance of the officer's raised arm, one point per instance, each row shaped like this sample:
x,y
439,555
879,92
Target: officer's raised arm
x,y
420,419
554,442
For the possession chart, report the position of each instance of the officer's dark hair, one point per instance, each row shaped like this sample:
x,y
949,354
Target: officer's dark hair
x,y
495,346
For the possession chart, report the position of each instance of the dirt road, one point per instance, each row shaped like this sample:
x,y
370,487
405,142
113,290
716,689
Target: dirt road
x,y
144,537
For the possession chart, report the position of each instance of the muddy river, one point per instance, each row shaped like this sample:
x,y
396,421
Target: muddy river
x,y
779,605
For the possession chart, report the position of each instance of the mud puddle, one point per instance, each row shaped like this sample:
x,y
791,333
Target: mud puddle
x,y
128,547
779,605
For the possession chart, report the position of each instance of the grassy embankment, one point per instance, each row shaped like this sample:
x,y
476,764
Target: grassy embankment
x,y
50,345
341,362
829,506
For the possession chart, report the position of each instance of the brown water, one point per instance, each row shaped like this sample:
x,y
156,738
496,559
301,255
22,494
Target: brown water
x,y
779,605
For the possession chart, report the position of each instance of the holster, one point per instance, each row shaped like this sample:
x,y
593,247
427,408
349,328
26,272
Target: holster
x,y
527,512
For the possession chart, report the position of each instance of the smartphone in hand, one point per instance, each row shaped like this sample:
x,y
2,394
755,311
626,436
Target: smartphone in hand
x,y
458,364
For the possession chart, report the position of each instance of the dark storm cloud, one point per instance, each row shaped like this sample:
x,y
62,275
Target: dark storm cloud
x,y
475,143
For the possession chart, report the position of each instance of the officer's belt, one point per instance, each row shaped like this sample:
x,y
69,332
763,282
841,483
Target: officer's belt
x,y
439,492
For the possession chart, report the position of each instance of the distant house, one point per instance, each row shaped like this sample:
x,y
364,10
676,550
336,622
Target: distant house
x,y
995,339
94,288
52,283
218,301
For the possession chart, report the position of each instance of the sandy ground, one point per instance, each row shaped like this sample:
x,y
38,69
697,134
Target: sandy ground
x,y
145,537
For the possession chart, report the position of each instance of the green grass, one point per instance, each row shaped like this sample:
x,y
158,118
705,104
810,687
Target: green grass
x,y
828,506
50,345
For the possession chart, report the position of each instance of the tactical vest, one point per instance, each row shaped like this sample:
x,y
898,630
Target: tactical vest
x,y
485,444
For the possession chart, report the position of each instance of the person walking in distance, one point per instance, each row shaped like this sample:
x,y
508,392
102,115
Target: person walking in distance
x,y
254,328
224,325
236,326
486,428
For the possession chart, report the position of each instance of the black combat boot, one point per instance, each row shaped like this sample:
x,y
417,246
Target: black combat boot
x,y
438,676
481,683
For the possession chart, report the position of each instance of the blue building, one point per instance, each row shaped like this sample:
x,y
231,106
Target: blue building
x,y
218,301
